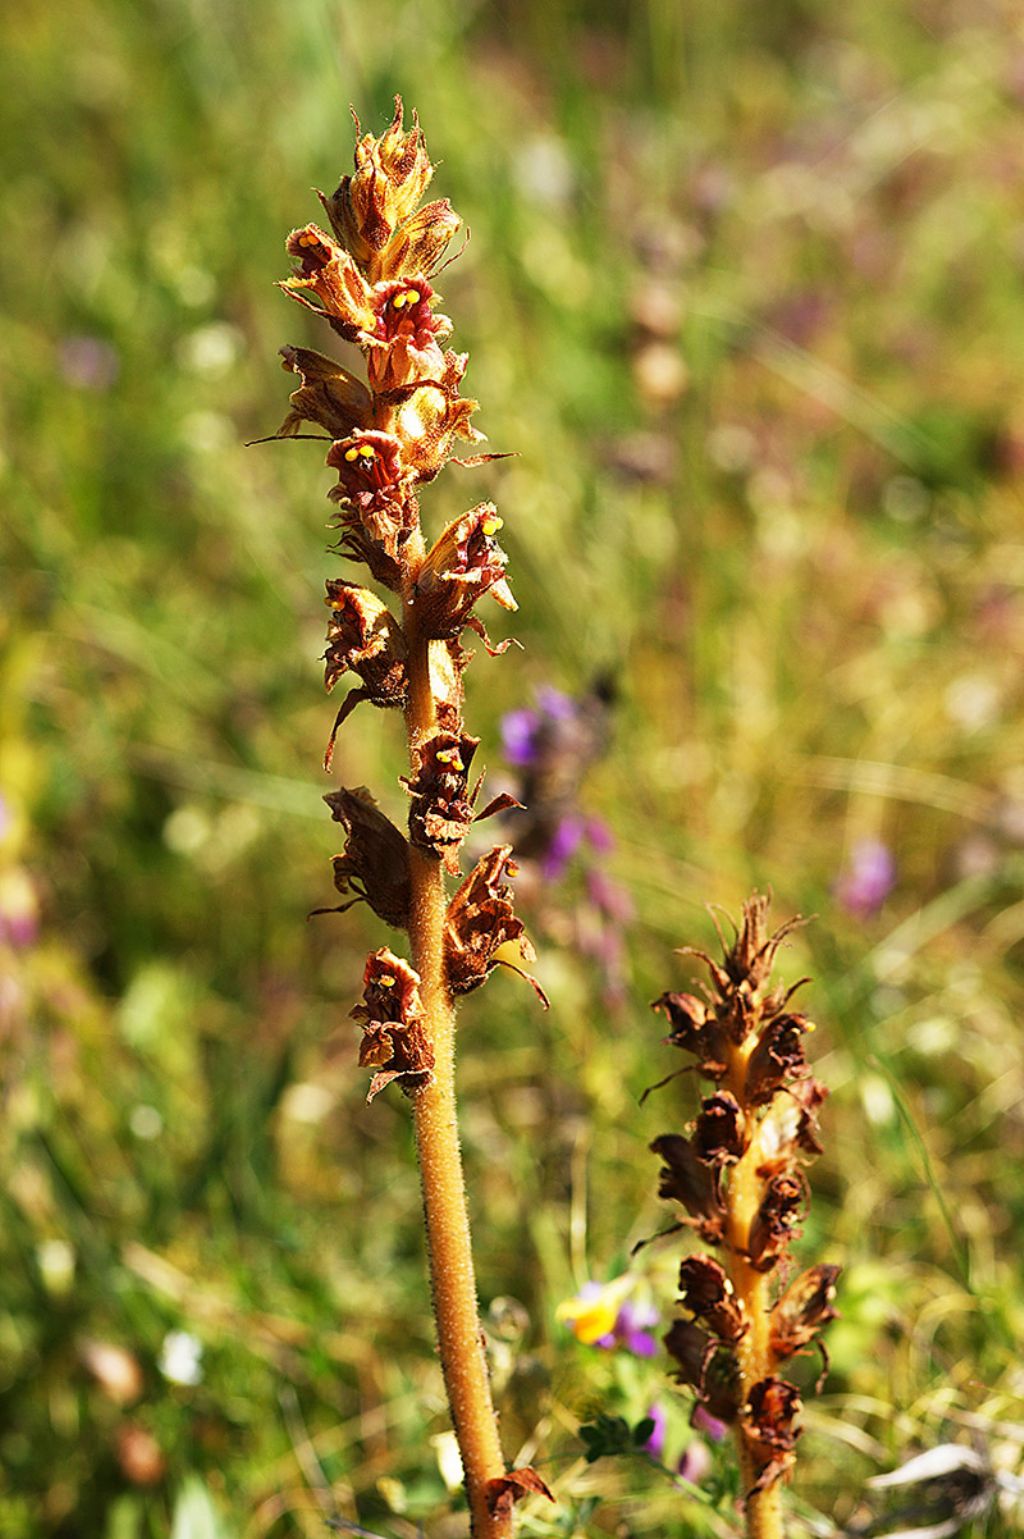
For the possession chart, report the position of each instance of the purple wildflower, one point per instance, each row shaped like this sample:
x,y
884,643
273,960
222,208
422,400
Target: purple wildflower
x,y
563,846
704,1422
631,1330
867,881
555,704
519,730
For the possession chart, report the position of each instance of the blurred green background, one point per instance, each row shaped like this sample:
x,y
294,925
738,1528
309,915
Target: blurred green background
x,y
744,291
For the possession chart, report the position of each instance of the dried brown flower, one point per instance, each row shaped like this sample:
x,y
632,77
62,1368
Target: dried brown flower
x,y
481,920
506,1490
689,1180
708,1293
803,1310
393,1042
769,1424
375,861
774,1223
329,395
711,1371
363,637
695,1030
719,1134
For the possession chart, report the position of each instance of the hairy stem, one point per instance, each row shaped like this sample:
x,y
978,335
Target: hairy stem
x,y
763,1510
453,1283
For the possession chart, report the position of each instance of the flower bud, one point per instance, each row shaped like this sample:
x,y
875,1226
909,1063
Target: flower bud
x,y
392,173
433,416
393,1042
375,862
417,248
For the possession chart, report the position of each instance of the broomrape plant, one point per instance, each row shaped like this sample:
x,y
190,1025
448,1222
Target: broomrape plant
x,y
370,280
739,1177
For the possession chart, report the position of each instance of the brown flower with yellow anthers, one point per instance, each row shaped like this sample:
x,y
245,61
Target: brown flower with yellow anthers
x,y
392,173
375,491
406,336
392,1011
480,921
740,1178
442,803
329,395
465,562
375,861
328,272
363,637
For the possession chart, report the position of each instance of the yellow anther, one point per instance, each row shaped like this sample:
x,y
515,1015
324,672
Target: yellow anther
x,y
351,454
387,982
399,302
810,1026
512,869
367,451
410,297
492,524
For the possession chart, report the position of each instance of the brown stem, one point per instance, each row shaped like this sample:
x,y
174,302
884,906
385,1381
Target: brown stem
x,y
453,1284
763,1510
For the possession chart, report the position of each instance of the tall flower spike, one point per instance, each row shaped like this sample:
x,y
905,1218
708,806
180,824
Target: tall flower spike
x,y
739,1177
370,280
